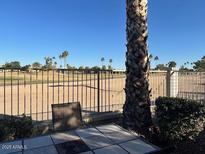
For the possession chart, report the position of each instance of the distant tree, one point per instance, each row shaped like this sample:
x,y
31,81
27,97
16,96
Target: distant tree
x,y
156,58
60,57
172,64
26,68
109,67
161,67
95,68
102,61
185,64
13,64
87,67
104,67
199,65
183,68
7,65
48,63
71,67
55,64
64,55
81,68
150,57
36,65
110,64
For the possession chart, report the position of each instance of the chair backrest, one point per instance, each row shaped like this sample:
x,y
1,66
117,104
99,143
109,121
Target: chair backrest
x,y
66,116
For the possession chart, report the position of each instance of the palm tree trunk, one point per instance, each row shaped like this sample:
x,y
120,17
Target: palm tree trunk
x,y
136,110
65,63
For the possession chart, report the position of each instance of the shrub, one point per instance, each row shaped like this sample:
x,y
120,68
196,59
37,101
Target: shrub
x,y
179,119
23,126
6,133
15,127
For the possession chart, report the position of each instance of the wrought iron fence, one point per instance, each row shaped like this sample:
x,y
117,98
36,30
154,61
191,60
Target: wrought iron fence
x,y
191,85
32,92
158,84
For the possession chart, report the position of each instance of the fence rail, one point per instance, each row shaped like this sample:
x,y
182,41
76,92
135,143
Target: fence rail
x,y
32,92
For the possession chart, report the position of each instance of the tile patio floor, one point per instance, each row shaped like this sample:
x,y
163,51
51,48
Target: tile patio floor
x,y
105,139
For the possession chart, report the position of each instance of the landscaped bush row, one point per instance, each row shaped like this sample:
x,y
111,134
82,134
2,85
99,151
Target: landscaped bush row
x,y
15,127
179,119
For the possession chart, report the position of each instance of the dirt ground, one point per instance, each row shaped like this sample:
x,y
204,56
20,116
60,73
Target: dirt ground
x,y
36,99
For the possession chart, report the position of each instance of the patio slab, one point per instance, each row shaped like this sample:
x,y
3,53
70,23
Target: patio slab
x,y
10,147
137,147
87,132
38,142
114,149
43,150
108,128
108,139
64,137
97,141
72,147
119,137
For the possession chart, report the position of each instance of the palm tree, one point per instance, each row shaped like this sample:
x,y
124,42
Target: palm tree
x,y
55,64
48,62
136,110
172,64
187,63
64,56
61,57
150,56
156,58
110,64
102,60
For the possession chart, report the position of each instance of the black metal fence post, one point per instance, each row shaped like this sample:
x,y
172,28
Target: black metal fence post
x,y
98,91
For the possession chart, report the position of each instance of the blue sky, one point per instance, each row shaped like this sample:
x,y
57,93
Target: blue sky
x,y
91,29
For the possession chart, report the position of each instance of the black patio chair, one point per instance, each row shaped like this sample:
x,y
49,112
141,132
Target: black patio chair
x,y
66,116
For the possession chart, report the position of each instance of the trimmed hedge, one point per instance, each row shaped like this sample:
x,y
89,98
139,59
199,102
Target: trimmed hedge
x,y
12,127
179,119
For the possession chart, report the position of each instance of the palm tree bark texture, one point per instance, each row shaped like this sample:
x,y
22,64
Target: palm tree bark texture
x,y
136,110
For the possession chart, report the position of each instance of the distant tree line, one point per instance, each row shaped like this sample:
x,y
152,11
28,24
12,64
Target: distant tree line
x,y
49,65
199,65
165,67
